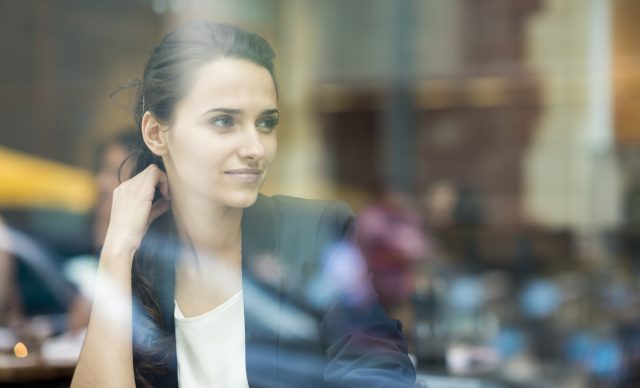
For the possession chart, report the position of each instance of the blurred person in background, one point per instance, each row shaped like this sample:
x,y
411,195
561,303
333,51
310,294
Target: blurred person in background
x,y
110,166
79,269
110,170
185,231
439,203
394,243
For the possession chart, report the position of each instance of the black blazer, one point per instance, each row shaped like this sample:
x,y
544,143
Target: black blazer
x,y
307,323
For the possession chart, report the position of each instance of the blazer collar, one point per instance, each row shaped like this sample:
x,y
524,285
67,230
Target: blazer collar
x,y
259,231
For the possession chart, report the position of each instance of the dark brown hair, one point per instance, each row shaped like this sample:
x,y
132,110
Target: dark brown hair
x,y
166,79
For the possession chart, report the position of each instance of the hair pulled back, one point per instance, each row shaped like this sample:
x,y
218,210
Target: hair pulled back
x,y
166,80
166,77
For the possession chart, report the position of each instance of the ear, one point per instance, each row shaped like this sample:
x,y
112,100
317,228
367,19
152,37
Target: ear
x,y
152,134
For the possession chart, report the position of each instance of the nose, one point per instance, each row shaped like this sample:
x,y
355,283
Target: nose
x,y
252,146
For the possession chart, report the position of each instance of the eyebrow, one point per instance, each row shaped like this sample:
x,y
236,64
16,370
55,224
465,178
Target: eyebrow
x,y
241,111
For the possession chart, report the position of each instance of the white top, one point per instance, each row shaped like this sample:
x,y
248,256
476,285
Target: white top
x,y
210,346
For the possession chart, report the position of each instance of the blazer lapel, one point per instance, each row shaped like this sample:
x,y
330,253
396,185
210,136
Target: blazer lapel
x,y
262,294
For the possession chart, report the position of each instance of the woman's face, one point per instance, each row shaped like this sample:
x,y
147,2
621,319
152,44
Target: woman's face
x,y
223,138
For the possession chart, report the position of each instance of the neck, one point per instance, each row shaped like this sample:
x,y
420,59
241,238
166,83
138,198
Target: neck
x,y
209,229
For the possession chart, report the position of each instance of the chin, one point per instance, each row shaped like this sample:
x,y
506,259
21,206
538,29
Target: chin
x,y
242,199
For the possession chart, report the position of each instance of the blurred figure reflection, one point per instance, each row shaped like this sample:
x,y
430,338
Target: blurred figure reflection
x,y
393,241
110,170
31,274
110,166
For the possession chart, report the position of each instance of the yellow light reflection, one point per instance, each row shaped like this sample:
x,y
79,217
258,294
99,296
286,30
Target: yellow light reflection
x,y
27,180
20,350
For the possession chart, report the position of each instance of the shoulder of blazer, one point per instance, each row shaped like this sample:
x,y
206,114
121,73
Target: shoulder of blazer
x,y
286,226
306,216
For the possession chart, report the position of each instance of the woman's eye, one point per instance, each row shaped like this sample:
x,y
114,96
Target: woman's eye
x,y
222,121
268,124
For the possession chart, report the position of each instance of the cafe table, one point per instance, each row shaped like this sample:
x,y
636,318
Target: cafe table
x,y
34,371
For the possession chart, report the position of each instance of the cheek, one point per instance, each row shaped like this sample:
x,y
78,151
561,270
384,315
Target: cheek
x,y
199,159
188,146
272,149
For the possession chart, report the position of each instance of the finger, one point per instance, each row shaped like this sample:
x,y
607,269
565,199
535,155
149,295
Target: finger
x,y
159,208
151,169
142,179
159,179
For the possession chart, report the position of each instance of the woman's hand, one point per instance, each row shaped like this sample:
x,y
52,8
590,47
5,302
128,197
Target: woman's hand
x,y
106,358
133,210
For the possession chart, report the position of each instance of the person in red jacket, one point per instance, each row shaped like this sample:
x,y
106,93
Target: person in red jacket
x,y
393,241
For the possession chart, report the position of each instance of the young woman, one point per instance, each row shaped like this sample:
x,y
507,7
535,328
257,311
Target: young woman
x,y
202,280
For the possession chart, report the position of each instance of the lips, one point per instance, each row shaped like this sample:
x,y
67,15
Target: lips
x,y
245,175
244,171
